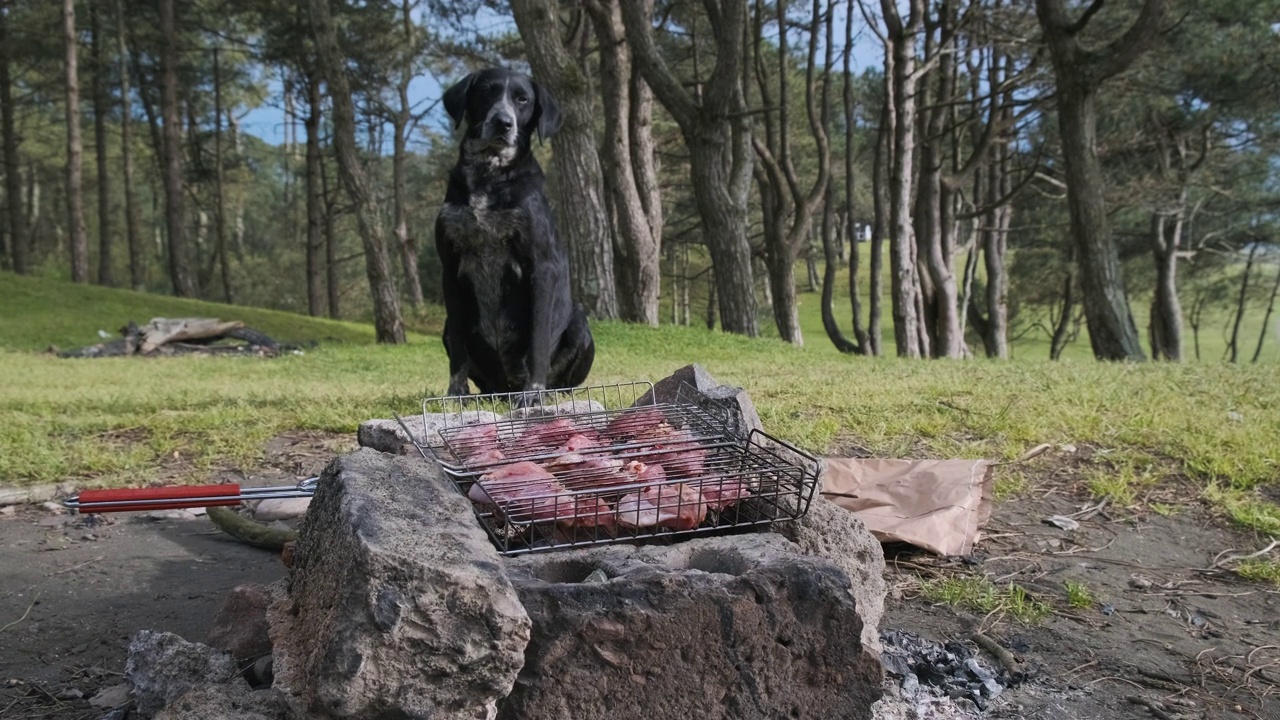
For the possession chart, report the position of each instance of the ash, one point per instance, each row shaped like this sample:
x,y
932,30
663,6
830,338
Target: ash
x,y
925,670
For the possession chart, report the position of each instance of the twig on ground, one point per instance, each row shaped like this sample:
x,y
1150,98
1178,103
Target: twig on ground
x,y
100,558
1005,657
34,600
1090,511
1219,561
1156,708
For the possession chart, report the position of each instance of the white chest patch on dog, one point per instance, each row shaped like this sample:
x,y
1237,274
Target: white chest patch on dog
x,y
479,234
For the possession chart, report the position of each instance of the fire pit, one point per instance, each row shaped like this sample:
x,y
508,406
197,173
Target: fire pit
x,y
609,464
410,598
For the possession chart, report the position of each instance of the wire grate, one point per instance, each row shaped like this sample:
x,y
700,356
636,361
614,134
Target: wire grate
x,y
609,463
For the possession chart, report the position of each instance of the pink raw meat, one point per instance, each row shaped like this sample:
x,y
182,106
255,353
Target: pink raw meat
x,y
524,491
581,472
483,457
678,507
636,422
681,455
546,435
722,493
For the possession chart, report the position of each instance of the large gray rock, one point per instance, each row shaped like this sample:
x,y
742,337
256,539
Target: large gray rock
x,y
397,604
739,627
226,702
387,436
831,532
162,666
692,384
240,623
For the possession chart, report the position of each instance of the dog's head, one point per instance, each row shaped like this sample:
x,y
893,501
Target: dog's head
x,y
502,109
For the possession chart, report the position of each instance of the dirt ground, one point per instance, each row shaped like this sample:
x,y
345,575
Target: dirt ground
x,y
1165,629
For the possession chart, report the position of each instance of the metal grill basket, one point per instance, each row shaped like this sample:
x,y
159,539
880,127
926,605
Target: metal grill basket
x,y
609,463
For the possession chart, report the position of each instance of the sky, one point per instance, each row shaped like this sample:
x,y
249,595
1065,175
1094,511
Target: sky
x,y
268,122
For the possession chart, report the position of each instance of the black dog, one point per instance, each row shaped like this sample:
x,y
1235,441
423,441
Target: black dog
x,y
511,325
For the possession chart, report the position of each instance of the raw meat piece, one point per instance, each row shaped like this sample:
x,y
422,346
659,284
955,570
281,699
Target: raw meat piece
x,y
681,456
475,439
525,492
583,441
546,435
679,507
581,472
594,512
635,422
482,457
646,473
722,493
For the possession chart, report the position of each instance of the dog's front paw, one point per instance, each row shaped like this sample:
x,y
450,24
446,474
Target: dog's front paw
x,y
458,386
530,398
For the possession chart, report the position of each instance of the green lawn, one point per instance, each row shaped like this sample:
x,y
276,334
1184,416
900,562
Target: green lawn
x,y
113,421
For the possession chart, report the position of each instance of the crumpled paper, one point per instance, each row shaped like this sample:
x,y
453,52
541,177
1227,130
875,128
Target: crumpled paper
x,y
937,505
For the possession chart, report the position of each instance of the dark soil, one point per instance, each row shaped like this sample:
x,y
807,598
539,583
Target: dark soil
x,y
1163,628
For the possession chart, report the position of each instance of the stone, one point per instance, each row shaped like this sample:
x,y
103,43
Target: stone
x,y
240,623
160,515
163,666
397,604
568,407
692,384
281,509
387,436
70,693
226,702
831,532
740,627
111,697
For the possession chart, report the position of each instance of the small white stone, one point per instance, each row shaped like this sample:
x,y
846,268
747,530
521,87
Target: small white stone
x,y
111,697
281,508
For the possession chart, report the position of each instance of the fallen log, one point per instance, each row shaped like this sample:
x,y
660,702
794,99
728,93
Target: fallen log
x,y
166,330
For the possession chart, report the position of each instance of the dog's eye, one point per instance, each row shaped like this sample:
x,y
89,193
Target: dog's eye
x,y
522,99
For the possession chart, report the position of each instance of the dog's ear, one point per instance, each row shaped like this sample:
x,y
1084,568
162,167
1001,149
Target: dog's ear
x,y
455,99
546,112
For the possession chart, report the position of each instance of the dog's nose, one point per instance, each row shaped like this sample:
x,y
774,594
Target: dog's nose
x,y
502,123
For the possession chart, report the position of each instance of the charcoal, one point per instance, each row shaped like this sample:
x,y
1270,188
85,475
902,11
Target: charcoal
x,y
951,669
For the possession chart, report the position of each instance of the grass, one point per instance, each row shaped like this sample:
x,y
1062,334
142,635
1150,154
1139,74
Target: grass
x,y
119,420
1078,595
978,593
1267,571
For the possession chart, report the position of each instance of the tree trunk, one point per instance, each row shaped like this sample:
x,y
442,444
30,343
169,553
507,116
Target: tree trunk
x,y
1079,73
1233,346
19,238
867,343
717,133
1166,312
994,247
79,240
133,223
100,100
901,97
1271,306
584,221
315,200
388,323
219,216
832,264
933,229
644,159
636,248
879,229
1061,336
330,243
399,159
180,271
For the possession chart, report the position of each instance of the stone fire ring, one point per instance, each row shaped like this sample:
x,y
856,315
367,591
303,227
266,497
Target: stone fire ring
x,y
398,605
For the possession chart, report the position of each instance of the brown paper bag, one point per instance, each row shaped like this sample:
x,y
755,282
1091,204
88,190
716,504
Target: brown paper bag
x,y
937,505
